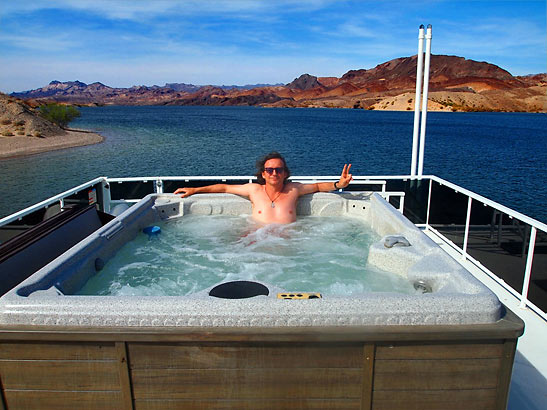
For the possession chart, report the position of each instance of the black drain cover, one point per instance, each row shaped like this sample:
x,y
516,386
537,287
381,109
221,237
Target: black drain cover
x,y
240,289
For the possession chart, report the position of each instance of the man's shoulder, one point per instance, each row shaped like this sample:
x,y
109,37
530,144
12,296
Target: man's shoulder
x,y
296,186
253,187
291,184
303,189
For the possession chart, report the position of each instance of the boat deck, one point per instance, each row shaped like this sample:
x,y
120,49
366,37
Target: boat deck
x,y
528,384
496,244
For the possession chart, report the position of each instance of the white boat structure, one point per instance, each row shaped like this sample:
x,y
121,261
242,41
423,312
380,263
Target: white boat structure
x,y
502,248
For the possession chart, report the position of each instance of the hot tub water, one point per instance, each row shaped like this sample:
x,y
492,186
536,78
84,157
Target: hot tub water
x,y
319,254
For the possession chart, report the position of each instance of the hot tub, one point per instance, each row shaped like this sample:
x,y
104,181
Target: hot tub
x,y
448,344
446,293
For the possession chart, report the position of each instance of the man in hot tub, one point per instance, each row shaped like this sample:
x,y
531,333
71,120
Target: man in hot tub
x,y
273,198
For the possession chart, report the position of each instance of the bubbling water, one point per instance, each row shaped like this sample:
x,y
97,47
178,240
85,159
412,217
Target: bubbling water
x,y
313,254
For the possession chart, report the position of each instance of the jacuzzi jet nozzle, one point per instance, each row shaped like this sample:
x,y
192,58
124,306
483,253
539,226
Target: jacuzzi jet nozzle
x,y
99,264
152,231
422,286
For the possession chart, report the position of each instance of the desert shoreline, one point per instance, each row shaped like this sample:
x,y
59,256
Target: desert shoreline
x,y
19,146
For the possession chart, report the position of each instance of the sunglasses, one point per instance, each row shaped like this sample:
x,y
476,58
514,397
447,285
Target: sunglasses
x,y
279,170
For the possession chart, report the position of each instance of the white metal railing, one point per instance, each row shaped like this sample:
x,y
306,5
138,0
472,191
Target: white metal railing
x,y
305,179
159,183
534,224
48,202
387,196
493,204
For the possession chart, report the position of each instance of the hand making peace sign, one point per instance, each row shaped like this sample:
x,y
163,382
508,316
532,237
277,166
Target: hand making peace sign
x,y
345,178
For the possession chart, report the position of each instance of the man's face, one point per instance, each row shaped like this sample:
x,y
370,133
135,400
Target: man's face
x,y
274,171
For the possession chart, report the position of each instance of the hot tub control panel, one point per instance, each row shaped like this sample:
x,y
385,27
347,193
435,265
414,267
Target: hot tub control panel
x,y
299,295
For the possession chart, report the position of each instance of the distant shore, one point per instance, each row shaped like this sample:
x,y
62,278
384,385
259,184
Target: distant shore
x,y
18,146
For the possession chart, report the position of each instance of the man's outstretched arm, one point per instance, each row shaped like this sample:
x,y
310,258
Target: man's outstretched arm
x,y
242,190
343,182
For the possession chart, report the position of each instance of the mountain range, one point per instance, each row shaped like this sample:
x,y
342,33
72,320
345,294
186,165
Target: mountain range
x,y
456,84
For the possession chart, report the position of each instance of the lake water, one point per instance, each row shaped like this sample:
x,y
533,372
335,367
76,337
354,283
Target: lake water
x,y
500,155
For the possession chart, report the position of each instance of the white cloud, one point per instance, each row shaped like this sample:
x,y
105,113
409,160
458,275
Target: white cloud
x,y
40,43
139,9
353,29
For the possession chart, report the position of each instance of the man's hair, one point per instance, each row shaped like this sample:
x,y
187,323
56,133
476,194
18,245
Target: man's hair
x,y
260,166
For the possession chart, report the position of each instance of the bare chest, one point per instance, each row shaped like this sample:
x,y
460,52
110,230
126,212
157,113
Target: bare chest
x,y
279,208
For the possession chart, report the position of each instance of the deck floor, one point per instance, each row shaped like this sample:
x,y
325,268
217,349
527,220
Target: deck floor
x,y
505,253
529,381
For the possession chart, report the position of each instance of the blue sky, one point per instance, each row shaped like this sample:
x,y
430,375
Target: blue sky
x,y
147,42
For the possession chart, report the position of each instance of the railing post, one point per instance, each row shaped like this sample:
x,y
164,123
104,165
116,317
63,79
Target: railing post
x,y
428,205
467,221
105,186
528,271
159,186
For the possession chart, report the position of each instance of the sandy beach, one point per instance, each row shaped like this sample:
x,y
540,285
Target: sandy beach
x,y
17,146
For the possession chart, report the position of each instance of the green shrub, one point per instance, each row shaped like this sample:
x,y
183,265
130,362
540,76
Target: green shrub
x,y
59,114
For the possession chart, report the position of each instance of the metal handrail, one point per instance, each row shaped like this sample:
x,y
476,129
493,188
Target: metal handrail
x,y
535,226
356,179
400,194
493,204
49,201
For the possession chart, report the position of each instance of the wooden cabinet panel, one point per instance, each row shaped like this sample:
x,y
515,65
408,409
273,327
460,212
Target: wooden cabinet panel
x,y
57,351
246,384
58,400
258,404
57,375
147,356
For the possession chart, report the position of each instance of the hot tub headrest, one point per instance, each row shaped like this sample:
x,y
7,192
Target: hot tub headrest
x,y
395,240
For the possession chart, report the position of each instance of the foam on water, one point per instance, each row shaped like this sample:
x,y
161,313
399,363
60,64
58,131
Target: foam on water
x,y
315,254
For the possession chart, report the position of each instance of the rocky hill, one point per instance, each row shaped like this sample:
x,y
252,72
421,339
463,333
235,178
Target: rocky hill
x,y
456,84
23,131
18,118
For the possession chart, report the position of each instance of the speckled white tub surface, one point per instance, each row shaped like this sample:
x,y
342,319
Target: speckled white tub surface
x,y
455,297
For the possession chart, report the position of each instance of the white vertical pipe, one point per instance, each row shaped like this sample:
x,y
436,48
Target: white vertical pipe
x,y
424,99
528,271
428,206
417,100
107,197
159,186
467,223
